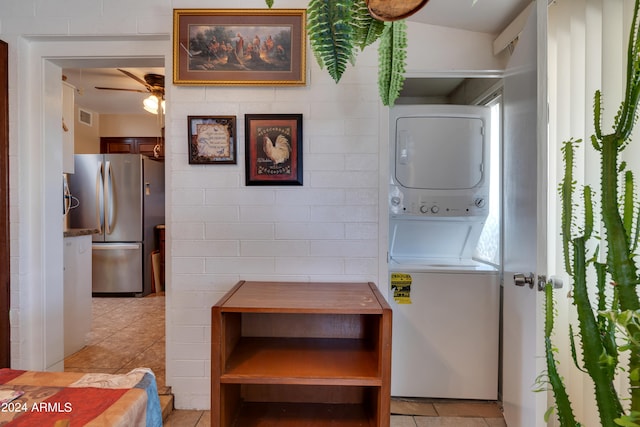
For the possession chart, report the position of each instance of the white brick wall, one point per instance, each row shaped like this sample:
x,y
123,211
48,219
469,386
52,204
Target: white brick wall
x,y
325,230
219,230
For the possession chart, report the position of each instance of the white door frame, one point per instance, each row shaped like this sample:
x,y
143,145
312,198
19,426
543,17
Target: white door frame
x,y
39,134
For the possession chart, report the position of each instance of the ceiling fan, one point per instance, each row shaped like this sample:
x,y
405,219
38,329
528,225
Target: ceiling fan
x,y
154,84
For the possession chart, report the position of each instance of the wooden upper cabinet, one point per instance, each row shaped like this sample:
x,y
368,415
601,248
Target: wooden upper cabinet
x,y
130,145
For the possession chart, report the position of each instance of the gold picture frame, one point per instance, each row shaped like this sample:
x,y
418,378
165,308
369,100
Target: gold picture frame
x,y
235,47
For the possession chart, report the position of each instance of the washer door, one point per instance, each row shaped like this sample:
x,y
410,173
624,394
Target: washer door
x,y
439,153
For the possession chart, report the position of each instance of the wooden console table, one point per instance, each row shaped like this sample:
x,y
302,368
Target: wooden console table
x,y
301,354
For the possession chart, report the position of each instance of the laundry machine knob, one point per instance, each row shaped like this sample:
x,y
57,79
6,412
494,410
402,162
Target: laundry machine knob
x,y
424,209
395,201
480,202
435,209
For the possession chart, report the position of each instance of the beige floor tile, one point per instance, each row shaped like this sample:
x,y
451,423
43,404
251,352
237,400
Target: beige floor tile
x,y
410,407
449,422
205,420
468,409
496,422
126,333
402,421
96,356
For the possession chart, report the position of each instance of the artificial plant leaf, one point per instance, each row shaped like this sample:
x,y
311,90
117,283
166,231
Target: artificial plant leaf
x,y
392,56
366,29
548,413
331,34
626,421
269,3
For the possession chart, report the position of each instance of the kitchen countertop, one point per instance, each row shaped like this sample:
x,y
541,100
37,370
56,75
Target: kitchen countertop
x,y
75,232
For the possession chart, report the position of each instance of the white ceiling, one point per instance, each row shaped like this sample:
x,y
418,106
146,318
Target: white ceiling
x,y
486,16
109,101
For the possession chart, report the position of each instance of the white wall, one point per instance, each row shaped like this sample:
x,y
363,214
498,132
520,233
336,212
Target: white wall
x,y
87,138
219,230
137,125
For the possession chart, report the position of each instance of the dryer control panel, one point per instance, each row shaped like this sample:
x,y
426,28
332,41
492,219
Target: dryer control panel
x,y
438,206
439,160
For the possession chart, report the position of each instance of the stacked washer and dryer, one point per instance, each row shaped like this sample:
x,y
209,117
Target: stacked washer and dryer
x,y
445,304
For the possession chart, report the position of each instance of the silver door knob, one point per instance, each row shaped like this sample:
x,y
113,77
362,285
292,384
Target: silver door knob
x,y
521,279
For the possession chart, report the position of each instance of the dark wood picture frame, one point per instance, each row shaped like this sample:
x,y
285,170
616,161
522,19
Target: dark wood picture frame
x,y
273,149
239,47
212,139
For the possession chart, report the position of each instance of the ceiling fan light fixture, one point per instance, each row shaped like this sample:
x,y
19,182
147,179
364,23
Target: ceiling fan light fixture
x,y
151,104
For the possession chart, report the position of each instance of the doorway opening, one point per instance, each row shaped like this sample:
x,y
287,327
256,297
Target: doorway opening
x,y
111,119
39,342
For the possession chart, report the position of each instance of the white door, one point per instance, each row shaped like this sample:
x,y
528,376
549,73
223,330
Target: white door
x,y
525,210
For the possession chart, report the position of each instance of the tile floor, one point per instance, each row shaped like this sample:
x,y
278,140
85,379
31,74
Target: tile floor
x,y
126,333
129,332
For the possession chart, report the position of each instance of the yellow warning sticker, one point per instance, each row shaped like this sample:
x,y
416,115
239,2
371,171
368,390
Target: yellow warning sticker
x,y
401,286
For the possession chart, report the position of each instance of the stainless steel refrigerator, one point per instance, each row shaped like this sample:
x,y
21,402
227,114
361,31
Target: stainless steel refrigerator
x,y
121,195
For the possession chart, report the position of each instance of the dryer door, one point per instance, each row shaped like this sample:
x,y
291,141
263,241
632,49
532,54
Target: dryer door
x,y
439,153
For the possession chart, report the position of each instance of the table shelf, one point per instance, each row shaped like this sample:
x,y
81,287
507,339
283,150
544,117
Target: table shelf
x,y
305,414
302,361
291,354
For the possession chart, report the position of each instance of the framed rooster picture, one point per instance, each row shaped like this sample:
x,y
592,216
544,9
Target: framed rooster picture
x,y
273,149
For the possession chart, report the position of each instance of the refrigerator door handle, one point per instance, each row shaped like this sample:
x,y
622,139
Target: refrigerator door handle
x,y
115,246
66,196
109,200
100,197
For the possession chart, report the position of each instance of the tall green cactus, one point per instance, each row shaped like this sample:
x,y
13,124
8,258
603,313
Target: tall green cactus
x,y
617,309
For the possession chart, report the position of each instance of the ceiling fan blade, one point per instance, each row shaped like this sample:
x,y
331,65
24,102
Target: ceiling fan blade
x,y
134,77
127,90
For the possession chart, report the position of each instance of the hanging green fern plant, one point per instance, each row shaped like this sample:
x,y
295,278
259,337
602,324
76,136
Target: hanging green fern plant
x,y
337,27
367,29
331,34
392,55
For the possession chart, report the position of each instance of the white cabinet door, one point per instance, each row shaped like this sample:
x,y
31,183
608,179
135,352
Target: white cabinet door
x,y
77,292
68,126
